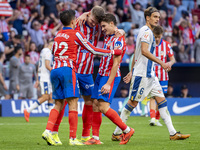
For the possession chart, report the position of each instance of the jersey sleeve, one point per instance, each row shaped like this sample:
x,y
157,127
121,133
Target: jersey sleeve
x,y
48,55
170,50
81,40
146,36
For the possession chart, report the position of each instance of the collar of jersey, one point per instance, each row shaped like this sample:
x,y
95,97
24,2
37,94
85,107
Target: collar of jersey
x,y
65,28
88,25
111,35
160,42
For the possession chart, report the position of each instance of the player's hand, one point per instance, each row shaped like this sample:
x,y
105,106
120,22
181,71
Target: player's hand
x,y
119,32
81,19
166,66
170,66
17,87
128,77
5,87
36,84
105,89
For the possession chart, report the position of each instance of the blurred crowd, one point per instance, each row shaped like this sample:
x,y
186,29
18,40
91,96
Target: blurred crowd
x,y
27,25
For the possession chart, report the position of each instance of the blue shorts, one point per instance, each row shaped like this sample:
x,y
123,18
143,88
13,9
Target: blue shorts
x,y
164,85
86,83
101,81
64,83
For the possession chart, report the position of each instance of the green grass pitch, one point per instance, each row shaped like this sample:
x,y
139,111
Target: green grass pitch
x,y
16,134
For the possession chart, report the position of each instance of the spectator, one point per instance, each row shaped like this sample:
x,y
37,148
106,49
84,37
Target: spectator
x,y
4,27
3,86
170,91
2,47
160,5
195,53
164,23
184,92
194,25
34,55
36,33
177,12
47,7
188,4
11,45
26,72
137,16
14,71
23,8
187,36
176,34
123,92
183,56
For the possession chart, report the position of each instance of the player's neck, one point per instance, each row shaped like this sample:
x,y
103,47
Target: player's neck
x,y
149,25
113,31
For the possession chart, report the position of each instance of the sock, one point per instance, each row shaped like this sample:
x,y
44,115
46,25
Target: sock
x,y
50,106
52,119
87,120
73,122
114,117
164,113
152,113
157,115
124,116
59,119
35,105
96,123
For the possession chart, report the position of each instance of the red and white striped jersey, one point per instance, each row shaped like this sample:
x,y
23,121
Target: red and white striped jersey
x,y
85,59
106,63
162,51
3,26
5,9
65,48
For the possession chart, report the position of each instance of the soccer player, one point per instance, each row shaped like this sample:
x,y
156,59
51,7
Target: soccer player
x,y
44,69
14,71
92,31
63,75
162,51
144,82
106,83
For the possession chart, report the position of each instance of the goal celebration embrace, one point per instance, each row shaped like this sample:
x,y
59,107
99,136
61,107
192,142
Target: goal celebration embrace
x,y
71,76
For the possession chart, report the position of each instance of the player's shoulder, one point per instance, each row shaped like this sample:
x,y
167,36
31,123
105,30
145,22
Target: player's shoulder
x,y
167,43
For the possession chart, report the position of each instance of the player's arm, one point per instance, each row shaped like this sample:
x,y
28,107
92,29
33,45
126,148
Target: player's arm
x,y
149,55
3,82
116,63
47,64
128,77
82,41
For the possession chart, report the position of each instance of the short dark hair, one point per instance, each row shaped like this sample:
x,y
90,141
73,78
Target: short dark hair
x,y
17,36
149,11
17,48
98,12
67,16
27,55
109,18
157,30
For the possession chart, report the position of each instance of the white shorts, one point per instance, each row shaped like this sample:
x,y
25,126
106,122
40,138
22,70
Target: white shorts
x,y
45,87
142,87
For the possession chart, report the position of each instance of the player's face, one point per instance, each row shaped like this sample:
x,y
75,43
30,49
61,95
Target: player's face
x,y
91,21
154,19
158,38
107,28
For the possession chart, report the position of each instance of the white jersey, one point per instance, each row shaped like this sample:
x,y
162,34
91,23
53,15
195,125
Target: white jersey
x,y
144,67
43,72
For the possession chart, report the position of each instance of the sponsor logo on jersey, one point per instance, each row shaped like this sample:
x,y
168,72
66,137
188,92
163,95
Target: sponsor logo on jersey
x,y
118,44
